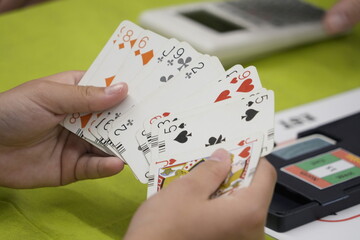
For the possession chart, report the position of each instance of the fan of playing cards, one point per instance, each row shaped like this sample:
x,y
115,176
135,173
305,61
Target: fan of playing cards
x,y
182,106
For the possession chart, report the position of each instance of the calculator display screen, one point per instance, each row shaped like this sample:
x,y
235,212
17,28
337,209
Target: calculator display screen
x,y
212,21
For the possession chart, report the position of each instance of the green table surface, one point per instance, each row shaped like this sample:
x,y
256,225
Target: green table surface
x,y
67,35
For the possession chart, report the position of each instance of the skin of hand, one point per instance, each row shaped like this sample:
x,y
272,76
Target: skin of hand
x,y
344,15
8,5
184,210
35,151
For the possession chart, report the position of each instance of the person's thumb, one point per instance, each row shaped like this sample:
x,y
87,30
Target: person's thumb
x,y
63,98
205,179
343,16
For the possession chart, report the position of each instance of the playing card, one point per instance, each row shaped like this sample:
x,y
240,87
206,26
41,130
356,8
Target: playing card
x,y
180,103
239,82
143,84
245,154
243,165
141,54
203,127
146,46
113,53
168,65
236,82
110,59
176,123
124,129
234,85
119,55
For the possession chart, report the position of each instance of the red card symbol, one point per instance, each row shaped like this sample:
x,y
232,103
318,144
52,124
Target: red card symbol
x,y
121,45
223,96
154,118
165,114
85,119
109,80
246,86
146,57
172,161
243,142
168,162
234,80
245,153
132,42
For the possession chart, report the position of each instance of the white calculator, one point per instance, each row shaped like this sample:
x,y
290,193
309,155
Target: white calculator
x,y
239,30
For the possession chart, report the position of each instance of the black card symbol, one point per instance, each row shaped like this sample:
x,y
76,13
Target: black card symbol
x,y
250,114
249,104
164,79
214,140
182,125
183,137
184,63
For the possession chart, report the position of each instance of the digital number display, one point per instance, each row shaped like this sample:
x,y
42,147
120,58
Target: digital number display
x,y
212,21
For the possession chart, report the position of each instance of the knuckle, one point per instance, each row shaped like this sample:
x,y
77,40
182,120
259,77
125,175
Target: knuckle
x,y
76,72
77,75
40,85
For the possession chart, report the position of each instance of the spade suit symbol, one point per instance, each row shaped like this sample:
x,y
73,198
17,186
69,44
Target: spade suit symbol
x,y
250,103
249,114
183,137
214,140
165,79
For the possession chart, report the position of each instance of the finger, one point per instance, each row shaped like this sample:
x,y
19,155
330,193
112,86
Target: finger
x,y
205,178
69,77
263,183
63,98
6,5
343,16
91,167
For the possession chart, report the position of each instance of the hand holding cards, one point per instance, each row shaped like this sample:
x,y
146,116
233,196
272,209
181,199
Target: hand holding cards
x,y
182,105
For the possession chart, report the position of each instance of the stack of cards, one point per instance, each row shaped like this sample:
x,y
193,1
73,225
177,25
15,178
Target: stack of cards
x,y
182,106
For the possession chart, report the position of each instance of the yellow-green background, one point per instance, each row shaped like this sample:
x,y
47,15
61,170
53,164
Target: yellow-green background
x,y
67,35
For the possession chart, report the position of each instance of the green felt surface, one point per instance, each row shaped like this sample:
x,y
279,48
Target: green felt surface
x,y
67,35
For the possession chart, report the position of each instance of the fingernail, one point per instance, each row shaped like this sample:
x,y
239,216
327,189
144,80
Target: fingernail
x,y
220,155
114,89
338,23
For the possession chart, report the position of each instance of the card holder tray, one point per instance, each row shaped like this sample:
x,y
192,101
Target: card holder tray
x,y
296,202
